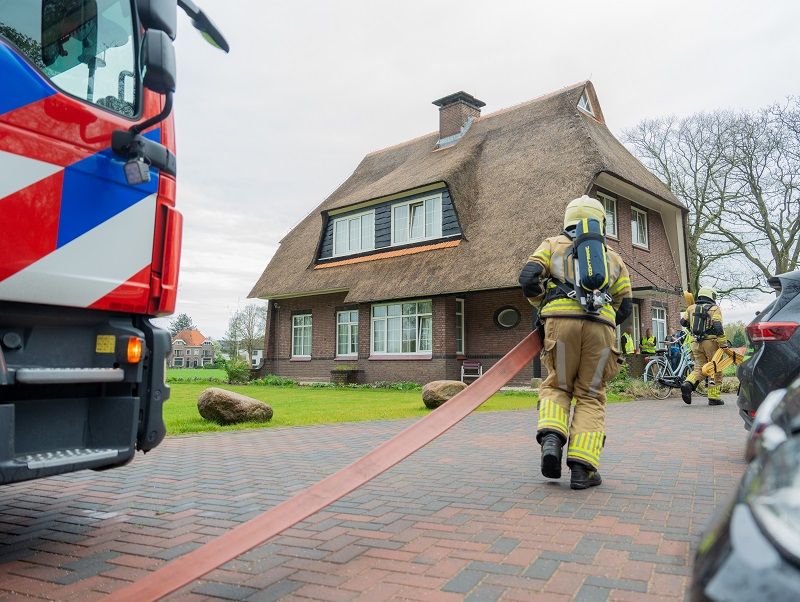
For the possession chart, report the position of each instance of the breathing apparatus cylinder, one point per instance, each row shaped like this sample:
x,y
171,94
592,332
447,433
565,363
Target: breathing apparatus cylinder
x,y
590,264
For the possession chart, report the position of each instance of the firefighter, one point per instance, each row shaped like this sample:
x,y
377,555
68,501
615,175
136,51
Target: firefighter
x,y
703,319
648,343
578,348
628,348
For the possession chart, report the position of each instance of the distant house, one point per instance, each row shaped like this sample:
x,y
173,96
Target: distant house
x,y
191,349
411,265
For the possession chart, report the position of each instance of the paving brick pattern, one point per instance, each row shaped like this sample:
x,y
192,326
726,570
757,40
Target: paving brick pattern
x,y
467,518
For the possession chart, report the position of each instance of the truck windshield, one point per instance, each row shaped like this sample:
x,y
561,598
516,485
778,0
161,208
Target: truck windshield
x,y
85,47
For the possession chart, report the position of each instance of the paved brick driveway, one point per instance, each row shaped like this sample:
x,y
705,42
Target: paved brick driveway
x,y
468,517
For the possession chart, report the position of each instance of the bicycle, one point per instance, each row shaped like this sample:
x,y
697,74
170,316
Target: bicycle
x,y
660,372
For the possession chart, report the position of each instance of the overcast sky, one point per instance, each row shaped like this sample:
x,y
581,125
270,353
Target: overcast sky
x,y
268,131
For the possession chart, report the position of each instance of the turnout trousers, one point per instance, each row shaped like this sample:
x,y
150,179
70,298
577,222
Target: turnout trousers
x,y
702,352
580,359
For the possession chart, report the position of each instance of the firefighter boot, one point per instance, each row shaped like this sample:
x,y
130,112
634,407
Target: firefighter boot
x,y
551,456
686,391
583,476
714,396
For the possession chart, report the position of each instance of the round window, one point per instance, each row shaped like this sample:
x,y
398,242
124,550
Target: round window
x,y
507,317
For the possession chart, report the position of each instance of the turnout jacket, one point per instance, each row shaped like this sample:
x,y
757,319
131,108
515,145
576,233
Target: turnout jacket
x,y
553,256
714,328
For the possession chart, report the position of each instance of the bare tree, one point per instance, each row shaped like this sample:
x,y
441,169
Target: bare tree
x,y
232,341
246,330
738,175
764,160
254,321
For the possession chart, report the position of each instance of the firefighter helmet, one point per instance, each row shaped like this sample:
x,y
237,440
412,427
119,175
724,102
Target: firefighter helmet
x,y
584,207
707,292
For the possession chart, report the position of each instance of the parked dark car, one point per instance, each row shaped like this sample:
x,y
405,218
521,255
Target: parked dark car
x,y
751,548
775,347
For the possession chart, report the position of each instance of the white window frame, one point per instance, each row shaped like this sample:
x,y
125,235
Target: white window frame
x,y
607,200
656,314
177,362
461,327
383,323
295,327
635,211
349,323
436,225
585,104
637,326
359,219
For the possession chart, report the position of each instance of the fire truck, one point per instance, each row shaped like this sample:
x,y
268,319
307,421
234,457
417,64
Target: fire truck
x,y
89,235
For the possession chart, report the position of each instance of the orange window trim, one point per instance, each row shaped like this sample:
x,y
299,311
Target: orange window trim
x,y
388,254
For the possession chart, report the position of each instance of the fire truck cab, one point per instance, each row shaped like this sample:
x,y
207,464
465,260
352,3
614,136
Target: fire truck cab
x,y
89,234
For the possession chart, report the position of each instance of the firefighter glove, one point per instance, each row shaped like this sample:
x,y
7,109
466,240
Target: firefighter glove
x,y
530,279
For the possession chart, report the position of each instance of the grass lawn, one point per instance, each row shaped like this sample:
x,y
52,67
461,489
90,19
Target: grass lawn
x,y
295,406
196,373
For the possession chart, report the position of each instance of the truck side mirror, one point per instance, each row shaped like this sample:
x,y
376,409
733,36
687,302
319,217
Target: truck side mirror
x,y
159,14
158,62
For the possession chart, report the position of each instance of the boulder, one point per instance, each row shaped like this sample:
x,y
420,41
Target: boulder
x,y
437,392
227,407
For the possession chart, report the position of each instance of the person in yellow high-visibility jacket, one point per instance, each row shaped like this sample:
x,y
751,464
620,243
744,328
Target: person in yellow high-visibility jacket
x,y
578,349
704,321
648,343
628,347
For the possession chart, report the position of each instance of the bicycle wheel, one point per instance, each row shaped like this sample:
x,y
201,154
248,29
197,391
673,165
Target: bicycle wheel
x,y
655,370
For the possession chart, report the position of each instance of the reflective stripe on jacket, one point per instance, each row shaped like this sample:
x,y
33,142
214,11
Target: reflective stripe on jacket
x,y
648,345
553,255
714,315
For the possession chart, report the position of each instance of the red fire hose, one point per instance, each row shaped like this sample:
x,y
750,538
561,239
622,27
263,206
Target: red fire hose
x,y
256,531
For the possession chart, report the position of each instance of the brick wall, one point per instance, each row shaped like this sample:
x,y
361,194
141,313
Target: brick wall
x,y
651,267
484,339
453,116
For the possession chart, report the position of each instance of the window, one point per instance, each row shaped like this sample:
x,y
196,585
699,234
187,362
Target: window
x,y
178,362
354,233
507,317
402,327
347,333
659,325
301,335
639,232
460,332
584,104
178,352
637,327
417,220
610,204
84,47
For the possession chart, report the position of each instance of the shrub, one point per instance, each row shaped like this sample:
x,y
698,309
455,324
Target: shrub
x,y
238,370
272,380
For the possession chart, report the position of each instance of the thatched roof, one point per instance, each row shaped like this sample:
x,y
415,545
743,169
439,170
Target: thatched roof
x,y
510,178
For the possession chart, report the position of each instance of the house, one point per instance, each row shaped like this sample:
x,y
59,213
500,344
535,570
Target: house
x,y
191,349
411,265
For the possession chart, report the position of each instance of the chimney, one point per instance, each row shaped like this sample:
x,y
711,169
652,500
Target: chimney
x,y
456,113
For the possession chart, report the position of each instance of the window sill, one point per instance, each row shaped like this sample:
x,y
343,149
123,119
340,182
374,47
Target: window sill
x,y
345,358
300,358
612,237
401,356
642,247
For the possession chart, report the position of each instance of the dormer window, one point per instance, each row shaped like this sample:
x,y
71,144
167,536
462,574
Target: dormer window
x,y
416,220
354,233
585,105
